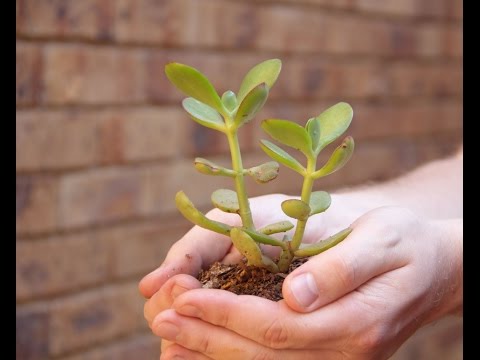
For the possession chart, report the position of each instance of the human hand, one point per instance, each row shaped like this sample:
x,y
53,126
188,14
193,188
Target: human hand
x,y
361,299
199,248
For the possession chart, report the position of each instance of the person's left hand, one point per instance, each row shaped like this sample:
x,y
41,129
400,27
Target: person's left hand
x,y
372,291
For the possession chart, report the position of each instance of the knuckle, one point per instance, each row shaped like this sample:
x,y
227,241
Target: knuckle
x,y
276,335
372,340
205,344
343,270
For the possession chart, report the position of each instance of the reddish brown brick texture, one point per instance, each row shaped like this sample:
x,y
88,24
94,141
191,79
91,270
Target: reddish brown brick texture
x,y
103,144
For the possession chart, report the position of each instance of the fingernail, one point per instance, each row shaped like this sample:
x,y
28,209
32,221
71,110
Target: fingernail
x,y
189,310
304,289
167,331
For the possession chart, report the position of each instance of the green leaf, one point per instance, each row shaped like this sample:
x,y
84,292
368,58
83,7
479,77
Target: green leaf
x,y
319,202
251,104
193,83
207,167
339,158
275,228
246,246
250,249
186,207
317,248
229,100
265,239
289,133
203,114
226,200
333,123
266,72
265,172
280,155
296,209
313,129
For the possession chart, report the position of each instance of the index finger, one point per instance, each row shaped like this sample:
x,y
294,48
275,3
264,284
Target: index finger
x,y
196,249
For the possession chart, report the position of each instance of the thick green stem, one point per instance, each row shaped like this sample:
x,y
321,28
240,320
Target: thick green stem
x,y
305,197
237,166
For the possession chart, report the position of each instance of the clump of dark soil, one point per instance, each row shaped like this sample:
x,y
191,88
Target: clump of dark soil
x,y
247,280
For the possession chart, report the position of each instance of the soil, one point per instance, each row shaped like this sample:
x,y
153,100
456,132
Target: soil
x,y
247,280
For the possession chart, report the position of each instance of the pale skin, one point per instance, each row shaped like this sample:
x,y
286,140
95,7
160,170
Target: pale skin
x,y
401,268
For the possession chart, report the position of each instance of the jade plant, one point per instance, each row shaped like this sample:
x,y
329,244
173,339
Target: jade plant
x,y
227,114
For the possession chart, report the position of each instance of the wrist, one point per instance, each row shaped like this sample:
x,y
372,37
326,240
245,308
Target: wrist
x,y
449,296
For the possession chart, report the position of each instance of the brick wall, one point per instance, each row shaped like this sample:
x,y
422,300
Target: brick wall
x,y
103,144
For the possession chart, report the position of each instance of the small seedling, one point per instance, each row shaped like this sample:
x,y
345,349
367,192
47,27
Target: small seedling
x,y
227,114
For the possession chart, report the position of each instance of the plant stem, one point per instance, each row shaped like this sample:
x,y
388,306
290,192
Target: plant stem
x,y
305,197
245,212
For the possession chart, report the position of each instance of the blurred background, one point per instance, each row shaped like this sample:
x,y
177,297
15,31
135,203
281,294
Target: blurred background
x,y
103,144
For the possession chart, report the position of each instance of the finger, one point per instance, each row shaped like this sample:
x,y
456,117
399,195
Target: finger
x,y
175,351
271,324
196,249
218,343
370,250
199,336
163,298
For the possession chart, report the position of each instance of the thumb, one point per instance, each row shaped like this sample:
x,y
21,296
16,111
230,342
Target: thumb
x,y
326,277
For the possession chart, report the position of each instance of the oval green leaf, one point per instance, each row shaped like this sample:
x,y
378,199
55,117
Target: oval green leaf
x,y
229,100
208,167
266,72
280,155
277,227
188,210
339,158
333,123
193,83
203,114
226,200
246,246
251,104
289,133
265,172
313,129
321,246
319,202
296,209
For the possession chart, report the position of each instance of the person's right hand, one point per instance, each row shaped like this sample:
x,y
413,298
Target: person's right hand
x,y
361,299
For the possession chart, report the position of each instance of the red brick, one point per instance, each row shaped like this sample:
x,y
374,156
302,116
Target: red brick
x,y
151,133
170,22
404,120
93,75
432,80
36,204
56,264
29,69
143,347
54,139
32,333
164,181
88,19
93,317
99,196
438,41
407,8
138,249
455,9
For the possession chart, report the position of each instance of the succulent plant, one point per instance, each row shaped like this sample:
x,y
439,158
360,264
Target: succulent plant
x,y
228,114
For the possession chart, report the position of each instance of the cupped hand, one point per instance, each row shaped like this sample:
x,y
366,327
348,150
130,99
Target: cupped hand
x,y
361,299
